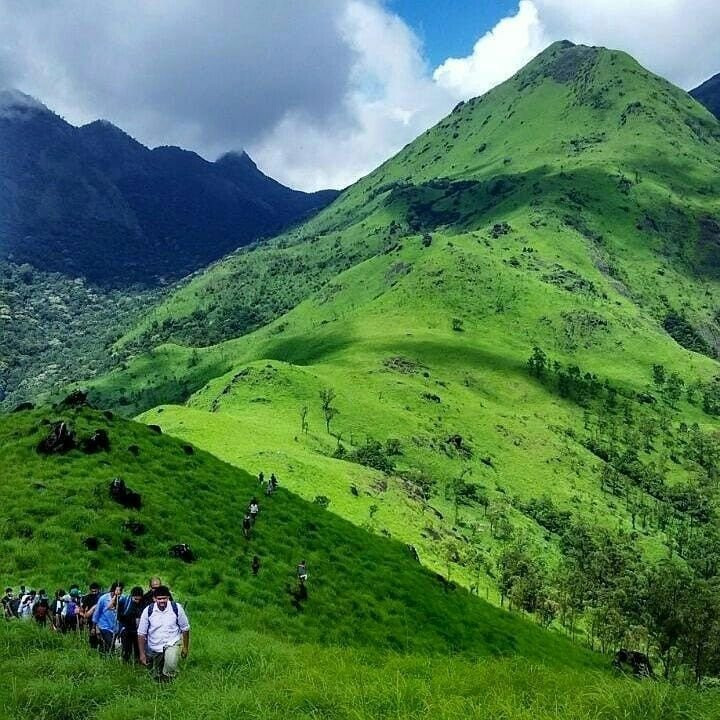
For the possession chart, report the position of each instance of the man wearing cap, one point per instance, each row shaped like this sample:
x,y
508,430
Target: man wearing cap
x,y
163,635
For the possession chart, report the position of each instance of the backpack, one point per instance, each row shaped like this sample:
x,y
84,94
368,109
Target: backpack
x,y
71,610
41,610
172,604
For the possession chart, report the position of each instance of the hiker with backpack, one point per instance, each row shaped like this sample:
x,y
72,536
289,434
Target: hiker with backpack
x,y
105,617
163,635
272,485
41,608
72,611
128,619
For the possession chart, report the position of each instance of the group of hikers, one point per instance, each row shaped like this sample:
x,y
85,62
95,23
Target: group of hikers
x,y
145,626
253,508
148,627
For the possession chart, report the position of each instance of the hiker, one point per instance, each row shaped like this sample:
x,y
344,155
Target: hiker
x,y
7,600
41,609
147,598
253,509
87,608
261,478
163,635
26,605
255,565
246,526
128,619
105,617
58,604
302,572
72,612
272,485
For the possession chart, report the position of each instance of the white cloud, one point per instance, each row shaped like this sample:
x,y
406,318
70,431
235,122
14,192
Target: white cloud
x,y
514,41
319,93
390,99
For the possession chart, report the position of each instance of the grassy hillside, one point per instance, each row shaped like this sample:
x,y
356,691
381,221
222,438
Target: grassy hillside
x,y
573,209
378,637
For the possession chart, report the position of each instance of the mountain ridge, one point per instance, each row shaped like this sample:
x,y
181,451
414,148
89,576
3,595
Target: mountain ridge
x,y
708,93
72,193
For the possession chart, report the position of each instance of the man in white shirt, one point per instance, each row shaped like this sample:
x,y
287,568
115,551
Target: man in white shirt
x,y
163,635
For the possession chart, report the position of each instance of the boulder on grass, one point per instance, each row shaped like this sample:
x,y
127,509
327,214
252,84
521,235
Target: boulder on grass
x,y
60,439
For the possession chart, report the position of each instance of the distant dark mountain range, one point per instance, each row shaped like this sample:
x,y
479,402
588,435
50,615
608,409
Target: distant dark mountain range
x,y
93,202
709,94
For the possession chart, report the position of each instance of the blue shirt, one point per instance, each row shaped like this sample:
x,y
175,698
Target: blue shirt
x,y
105,618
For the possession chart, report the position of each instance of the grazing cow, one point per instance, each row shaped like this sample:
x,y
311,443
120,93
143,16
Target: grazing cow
x,y
638,663
61,439
99,440
183,552
122,494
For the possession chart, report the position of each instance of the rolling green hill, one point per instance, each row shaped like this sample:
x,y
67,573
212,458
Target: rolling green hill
x,y
378,636
517,318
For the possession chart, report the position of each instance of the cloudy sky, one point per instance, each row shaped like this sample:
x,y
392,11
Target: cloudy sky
x,y
319,92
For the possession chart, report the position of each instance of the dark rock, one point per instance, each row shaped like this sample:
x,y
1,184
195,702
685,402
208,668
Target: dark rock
x,y
98,441
24,407
123,495
354,491
631,660
134,450
76,399
183,552
108,414
413,552
188,449
129,545
136,528
91,543
60,440
156,429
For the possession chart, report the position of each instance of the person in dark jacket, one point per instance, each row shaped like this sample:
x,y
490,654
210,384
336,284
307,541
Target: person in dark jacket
x,y
128,618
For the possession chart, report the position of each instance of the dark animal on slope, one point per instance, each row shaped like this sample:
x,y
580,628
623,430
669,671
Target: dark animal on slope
x,y
61,439
99,440
183,552
638,663
123,495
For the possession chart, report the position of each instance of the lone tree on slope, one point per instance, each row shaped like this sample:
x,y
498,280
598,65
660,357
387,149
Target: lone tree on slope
x,y
327,396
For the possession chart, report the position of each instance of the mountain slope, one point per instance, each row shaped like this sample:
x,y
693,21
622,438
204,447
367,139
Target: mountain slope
x,y
518,316
95,203
709,94
377,637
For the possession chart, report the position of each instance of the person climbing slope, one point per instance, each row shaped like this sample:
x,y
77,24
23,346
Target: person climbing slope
x,y
163,635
